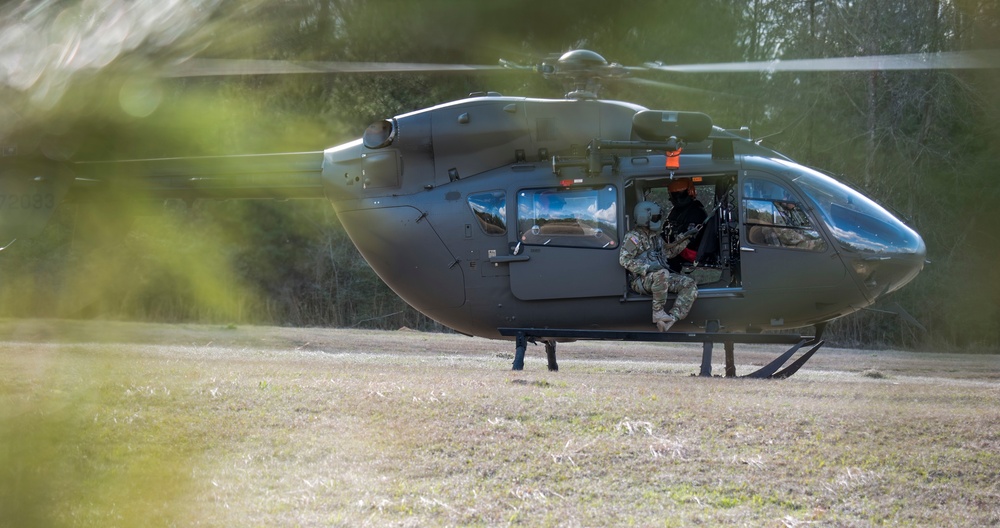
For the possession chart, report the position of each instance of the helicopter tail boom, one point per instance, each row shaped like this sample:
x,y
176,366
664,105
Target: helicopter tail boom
x,y
32,187
275,176
30,190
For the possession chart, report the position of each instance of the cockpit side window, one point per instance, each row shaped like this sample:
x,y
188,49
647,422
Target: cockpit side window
x,y
490,209
775,217
576,217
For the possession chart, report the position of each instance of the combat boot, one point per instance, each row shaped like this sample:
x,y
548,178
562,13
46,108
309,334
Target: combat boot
x,y
663,320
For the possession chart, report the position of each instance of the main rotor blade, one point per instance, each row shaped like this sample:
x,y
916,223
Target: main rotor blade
x,y
951,60
224,67
672,86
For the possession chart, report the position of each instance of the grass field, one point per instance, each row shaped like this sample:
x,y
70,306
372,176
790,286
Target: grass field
x,y
116,424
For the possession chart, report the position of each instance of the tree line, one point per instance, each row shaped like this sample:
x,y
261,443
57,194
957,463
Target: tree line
x,y
920,142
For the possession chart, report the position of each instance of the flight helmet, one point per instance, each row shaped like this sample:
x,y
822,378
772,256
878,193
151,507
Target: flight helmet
x,y
648,214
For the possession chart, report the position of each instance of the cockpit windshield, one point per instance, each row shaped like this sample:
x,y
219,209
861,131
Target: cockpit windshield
x,y
856,221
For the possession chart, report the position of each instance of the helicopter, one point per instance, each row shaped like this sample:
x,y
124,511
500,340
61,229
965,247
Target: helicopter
x,y
502,217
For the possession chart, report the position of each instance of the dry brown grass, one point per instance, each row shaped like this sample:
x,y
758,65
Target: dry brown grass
x,y
137,425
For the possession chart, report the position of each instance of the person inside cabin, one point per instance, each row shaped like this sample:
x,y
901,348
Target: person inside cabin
x,y
644,254
687,214
775,218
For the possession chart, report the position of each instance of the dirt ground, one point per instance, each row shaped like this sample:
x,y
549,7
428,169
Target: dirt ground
x,y
408,342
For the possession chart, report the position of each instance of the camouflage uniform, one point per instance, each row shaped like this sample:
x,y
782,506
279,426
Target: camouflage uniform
x,y
642,248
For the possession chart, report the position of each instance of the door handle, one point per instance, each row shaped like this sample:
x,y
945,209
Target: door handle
x,y
509,258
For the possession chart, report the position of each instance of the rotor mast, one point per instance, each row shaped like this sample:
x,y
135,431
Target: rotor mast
x,y
581,71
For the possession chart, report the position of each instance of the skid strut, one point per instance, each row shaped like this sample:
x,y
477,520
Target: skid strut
x,y
520,347
773,370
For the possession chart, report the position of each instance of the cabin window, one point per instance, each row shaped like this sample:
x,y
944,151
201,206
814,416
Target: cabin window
x,y
575,217
490,209
774,217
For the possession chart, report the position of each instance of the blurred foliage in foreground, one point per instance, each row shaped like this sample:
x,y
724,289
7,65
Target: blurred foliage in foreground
x,y
921,142
79,449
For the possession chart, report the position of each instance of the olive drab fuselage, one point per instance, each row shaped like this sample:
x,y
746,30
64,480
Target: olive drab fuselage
x,y
497,211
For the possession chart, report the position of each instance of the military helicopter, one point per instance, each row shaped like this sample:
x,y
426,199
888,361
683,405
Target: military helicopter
x,y
502,217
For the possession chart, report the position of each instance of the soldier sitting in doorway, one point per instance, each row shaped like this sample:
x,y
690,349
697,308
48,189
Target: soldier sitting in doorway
x,y
644,254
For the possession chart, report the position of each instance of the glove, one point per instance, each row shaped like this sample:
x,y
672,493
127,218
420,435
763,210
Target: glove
x,y
653,268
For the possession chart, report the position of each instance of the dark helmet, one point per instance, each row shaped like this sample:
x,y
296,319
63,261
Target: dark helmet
x,y
682,184
648,214
682,191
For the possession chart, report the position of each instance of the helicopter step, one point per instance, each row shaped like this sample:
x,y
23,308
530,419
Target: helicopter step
x,y
773,370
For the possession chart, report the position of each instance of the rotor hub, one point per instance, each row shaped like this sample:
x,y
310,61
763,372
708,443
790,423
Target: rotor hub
x,y
582,72
581,59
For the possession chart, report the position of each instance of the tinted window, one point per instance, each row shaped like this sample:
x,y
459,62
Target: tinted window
x,y
584,217
490,209
856,221
775,218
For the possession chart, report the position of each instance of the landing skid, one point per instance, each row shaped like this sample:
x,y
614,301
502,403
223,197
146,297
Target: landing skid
x,y
773,370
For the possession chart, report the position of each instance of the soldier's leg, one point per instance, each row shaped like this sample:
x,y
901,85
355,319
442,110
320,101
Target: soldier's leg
x,y
658,285
687,291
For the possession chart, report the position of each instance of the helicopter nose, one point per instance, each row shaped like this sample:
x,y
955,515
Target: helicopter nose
x,y
883,252
883,273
